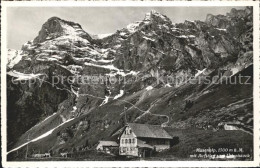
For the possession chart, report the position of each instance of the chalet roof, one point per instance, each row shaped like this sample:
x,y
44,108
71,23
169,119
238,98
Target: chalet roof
x,y
108,143
149,131
142,144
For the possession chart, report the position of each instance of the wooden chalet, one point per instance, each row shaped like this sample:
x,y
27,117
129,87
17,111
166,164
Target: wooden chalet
x,y
141,139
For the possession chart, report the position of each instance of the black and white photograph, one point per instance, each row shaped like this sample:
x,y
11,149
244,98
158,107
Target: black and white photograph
x,y
130,83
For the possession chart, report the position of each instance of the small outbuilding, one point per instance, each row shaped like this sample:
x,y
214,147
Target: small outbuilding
x,y
107,146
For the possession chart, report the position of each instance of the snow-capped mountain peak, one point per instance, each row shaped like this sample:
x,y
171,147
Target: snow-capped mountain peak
x,y
152,17
156,16
56,27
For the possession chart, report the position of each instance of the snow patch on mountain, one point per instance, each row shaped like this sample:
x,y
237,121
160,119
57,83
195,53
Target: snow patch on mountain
x,y
234,70
148,16
22,76
13,57
132,73
41,136
184,36
105,61
133,26
70,30
85,58
149,88
119,95
221,29
74,109
122,73
167,85
101,36
147,38
111,67
200,72
104,101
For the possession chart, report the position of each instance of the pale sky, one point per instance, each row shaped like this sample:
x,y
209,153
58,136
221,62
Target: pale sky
x,y
24,23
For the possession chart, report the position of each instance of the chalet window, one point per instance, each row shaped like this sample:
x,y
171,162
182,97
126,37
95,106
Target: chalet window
x,y
130,131
133,140
126,141
129,140
122,141
163,142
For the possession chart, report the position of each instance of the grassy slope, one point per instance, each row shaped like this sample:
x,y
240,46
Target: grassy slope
x,y
169,101
190,139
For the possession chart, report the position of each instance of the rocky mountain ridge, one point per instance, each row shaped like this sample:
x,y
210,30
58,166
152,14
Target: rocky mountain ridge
x,y
70,114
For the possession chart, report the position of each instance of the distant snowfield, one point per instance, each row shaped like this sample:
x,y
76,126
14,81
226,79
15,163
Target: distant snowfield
x,y
40,137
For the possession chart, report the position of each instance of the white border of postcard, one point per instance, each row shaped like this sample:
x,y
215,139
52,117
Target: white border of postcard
x,y
48,164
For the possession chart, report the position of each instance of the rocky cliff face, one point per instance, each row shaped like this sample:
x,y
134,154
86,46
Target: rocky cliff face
x,y
56,27
72,115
